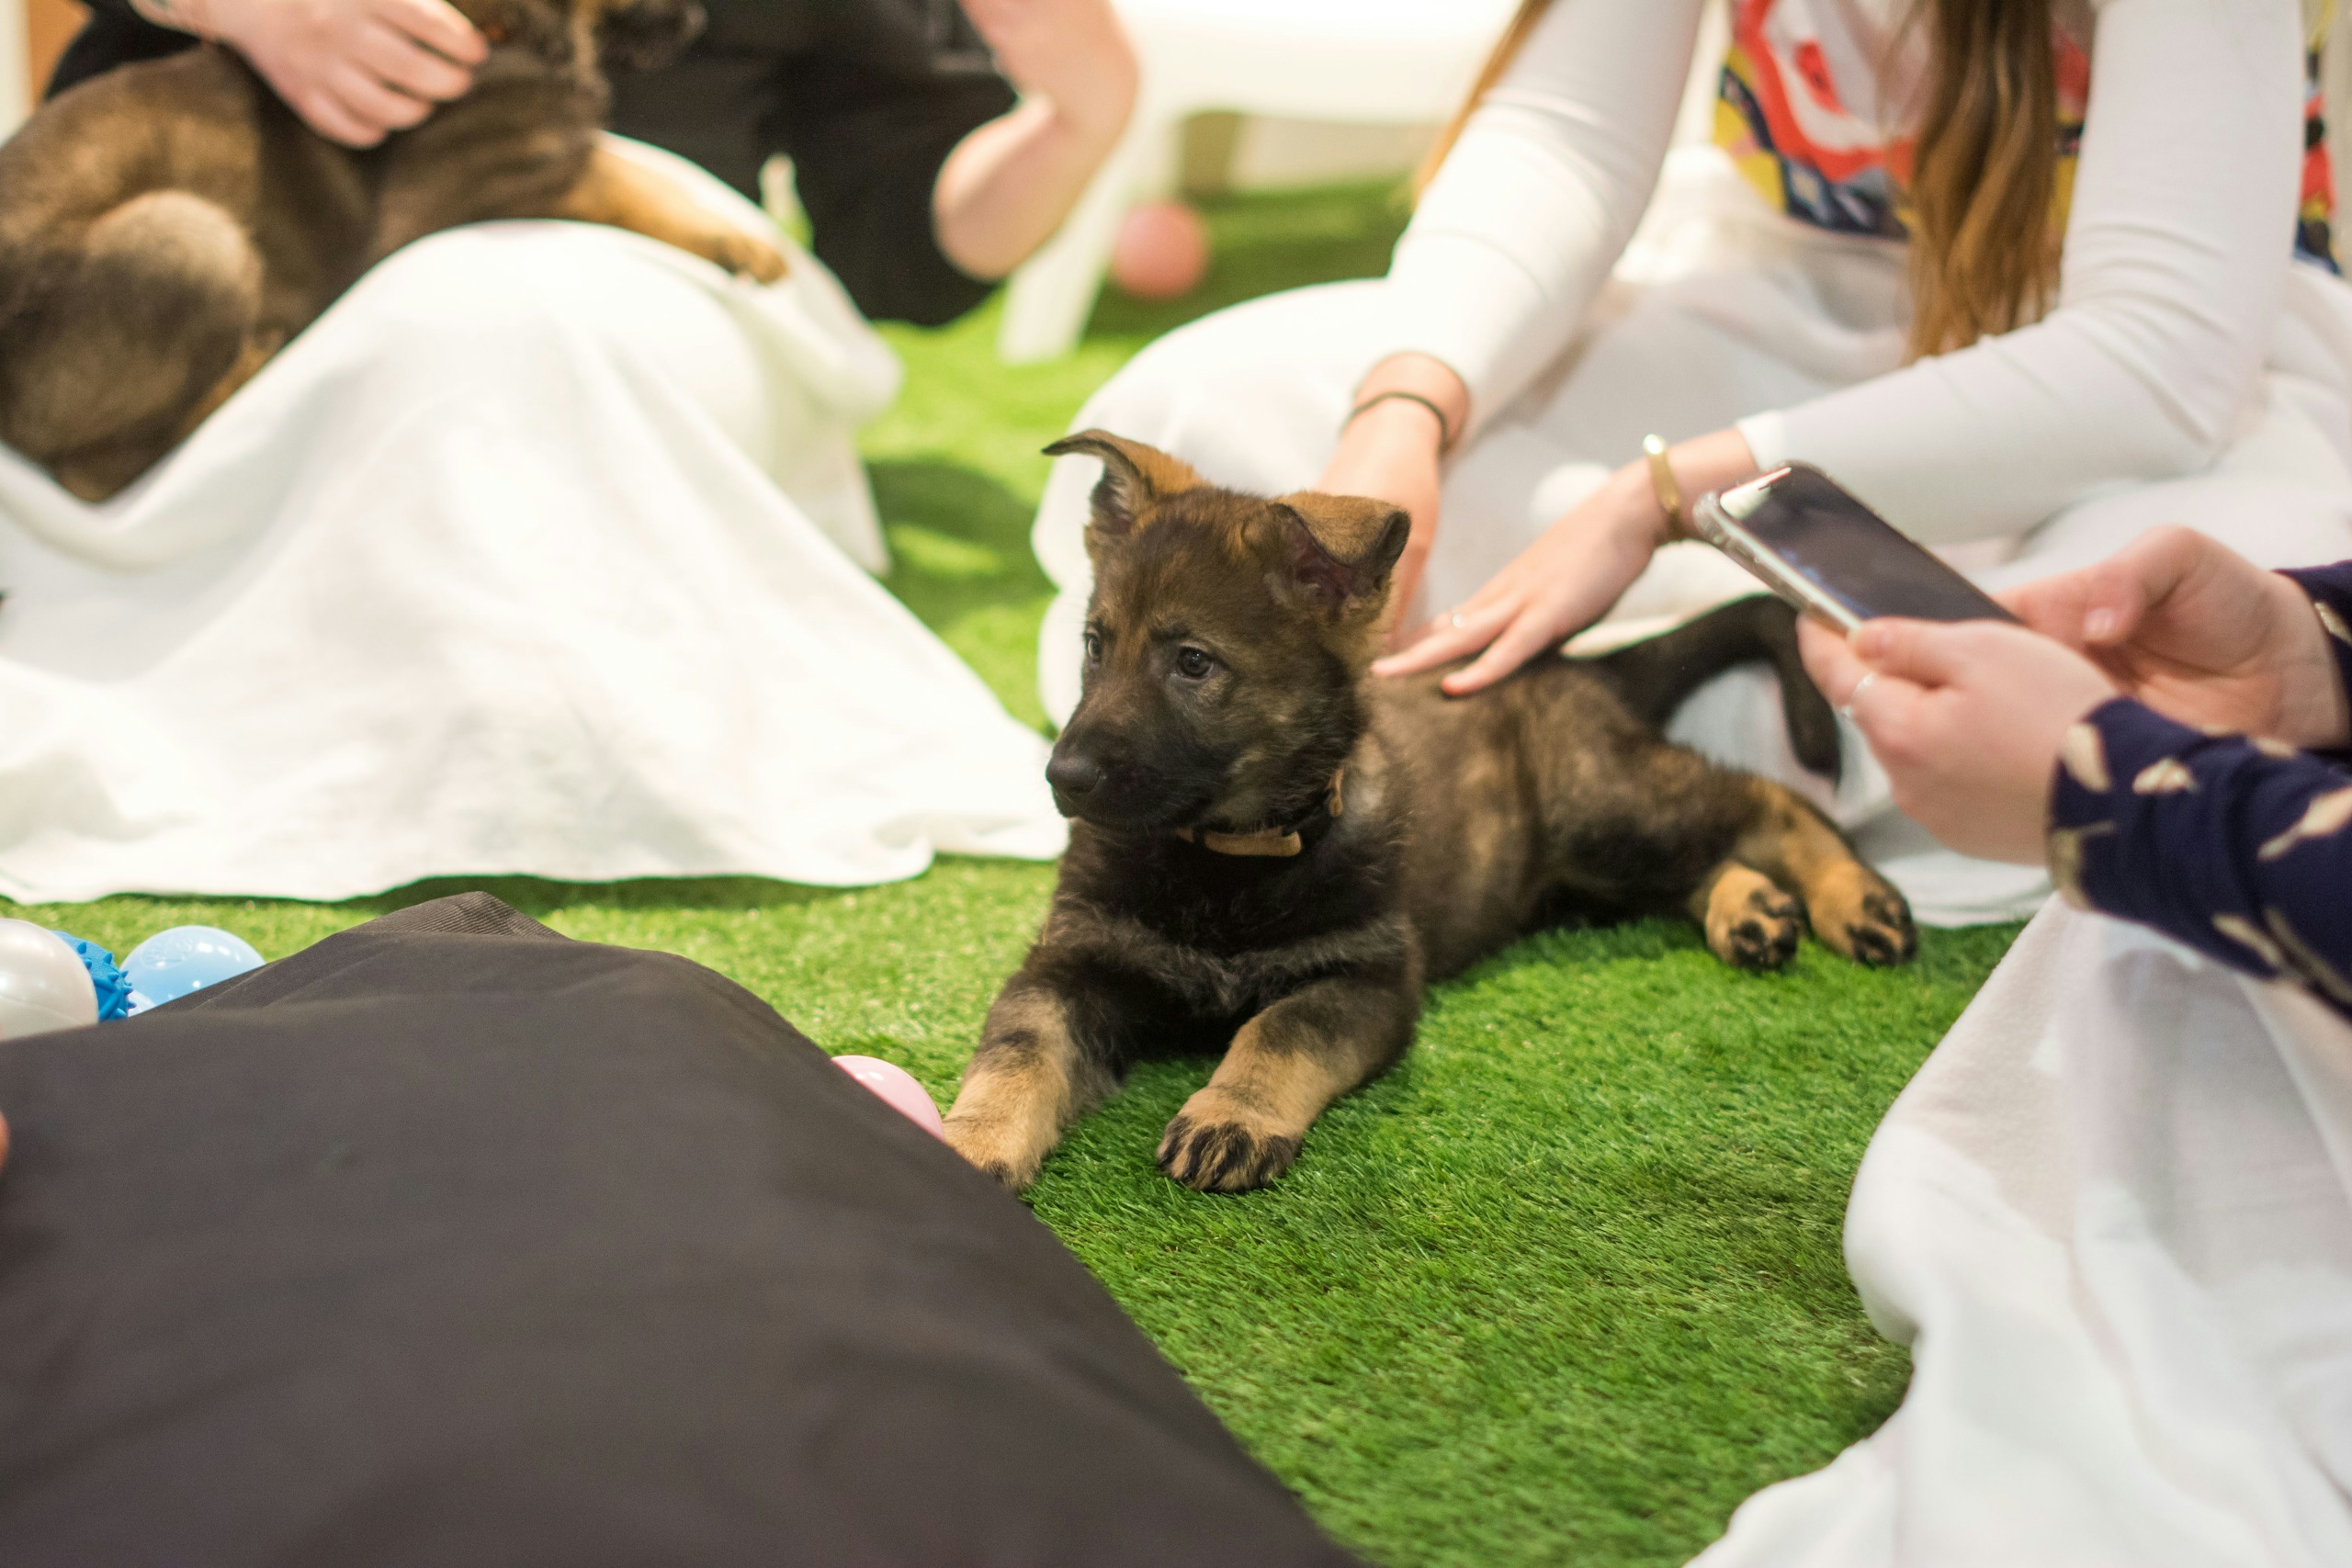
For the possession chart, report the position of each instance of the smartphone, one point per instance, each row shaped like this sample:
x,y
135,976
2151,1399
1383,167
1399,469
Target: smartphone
x,y
1830,556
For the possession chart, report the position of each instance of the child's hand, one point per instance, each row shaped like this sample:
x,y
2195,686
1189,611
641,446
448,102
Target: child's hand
x,y
2202,634
355,70
1967,719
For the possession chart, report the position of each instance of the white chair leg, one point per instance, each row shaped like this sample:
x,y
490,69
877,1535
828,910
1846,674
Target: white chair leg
x,y
16,67
1052,293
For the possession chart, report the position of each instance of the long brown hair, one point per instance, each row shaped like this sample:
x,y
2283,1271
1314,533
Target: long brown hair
x,y
1983,182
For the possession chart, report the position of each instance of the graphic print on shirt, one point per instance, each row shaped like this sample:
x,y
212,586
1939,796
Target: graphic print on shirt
x,y
1819,138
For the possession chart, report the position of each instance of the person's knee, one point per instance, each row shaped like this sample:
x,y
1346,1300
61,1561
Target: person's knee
x,y
475,293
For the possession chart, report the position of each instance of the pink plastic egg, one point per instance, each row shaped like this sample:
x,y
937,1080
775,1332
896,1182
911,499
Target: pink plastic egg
x,y
1161,252
898,1088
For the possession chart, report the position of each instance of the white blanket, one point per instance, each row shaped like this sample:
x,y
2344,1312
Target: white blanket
x,y
2112,1218
540,553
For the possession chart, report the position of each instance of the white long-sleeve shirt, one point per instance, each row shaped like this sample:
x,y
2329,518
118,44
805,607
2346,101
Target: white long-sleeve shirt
x,y
2177,246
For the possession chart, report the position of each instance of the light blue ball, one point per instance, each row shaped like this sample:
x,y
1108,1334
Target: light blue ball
x,y
187,958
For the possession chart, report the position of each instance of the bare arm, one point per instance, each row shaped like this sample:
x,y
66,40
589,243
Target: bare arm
x,y
1008,185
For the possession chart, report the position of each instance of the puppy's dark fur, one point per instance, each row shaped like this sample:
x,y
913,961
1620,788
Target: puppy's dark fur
x,y
1226,686
167,227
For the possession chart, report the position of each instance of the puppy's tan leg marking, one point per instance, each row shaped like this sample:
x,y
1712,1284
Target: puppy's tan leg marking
x,y
629,196
1749,922
1855,911
96,476
258,351
1244,1128
1028,1080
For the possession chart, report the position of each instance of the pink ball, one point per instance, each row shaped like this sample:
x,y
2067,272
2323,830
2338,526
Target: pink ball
x,y
898,1088
1161,252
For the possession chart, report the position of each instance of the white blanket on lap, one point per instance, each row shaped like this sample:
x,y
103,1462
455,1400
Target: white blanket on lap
x,y
538,553
2112,1217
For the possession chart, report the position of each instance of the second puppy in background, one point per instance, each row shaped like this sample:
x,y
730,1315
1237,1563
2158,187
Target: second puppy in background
x,y
168,227
1271,855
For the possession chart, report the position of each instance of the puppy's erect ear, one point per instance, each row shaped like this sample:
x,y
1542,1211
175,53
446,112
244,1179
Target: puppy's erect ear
x,y
1340,549
1136,478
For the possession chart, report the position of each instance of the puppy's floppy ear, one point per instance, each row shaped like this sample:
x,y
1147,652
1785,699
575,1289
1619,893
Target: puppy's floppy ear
x,y
1340,550
1136,478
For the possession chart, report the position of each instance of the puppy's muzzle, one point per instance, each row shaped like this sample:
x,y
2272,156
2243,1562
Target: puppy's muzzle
x,y
1075,777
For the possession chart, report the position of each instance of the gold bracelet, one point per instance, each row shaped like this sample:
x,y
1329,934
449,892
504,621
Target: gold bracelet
x,y
1662,484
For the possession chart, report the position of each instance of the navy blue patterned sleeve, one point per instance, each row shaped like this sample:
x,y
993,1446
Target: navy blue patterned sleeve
x,y
2240,848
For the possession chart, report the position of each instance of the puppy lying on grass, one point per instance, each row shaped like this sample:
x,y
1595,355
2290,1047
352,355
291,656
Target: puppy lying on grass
x,y
1271,853
167,227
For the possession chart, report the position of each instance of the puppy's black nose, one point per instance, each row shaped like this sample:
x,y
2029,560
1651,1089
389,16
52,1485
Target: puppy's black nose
x,y
1073,773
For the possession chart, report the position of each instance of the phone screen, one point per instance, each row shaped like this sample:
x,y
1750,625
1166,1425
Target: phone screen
x,y
1855,556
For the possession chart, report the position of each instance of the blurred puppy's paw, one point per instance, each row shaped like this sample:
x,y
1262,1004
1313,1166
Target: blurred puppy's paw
x,y
1859,913
748,255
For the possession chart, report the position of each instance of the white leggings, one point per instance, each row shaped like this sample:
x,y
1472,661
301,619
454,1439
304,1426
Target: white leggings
x,y
2112,1218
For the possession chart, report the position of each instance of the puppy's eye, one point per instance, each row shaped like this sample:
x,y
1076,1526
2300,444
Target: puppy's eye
x,y
1093,647
1193,664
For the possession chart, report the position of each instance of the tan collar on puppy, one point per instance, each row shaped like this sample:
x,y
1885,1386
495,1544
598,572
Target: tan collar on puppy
x,y
1271,842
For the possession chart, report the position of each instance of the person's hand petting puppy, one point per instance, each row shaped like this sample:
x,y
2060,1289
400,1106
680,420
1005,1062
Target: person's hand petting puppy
x,y
1966,719
1568,578
2202,634
355,70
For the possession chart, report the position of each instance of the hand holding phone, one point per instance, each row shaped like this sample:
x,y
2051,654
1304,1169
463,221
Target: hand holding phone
x,y
1833,557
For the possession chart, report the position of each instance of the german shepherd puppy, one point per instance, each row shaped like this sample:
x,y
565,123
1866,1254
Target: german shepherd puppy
x,y
1271,853
167,227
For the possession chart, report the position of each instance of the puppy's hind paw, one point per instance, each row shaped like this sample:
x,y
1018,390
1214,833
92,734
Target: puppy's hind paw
x,y
1860,915
1222,1157
1751,924
1884,934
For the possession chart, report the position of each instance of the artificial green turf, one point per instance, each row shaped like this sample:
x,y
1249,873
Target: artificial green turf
x,y
1566,1285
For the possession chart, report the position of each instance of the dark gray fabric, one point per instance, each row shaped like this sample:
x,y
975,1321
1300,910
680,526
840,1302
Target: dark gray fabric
x,y
453,1241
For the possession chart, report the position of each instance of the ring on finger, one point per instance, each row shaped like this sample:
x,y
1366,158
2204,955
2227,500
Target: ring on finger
x,y
1846,709
1457,620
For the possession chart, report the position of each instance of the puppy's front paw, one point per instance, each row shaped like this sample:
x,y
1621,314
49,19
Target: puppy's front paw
x,y
1215,1146
747,255
1751,924
995,1148
1860,914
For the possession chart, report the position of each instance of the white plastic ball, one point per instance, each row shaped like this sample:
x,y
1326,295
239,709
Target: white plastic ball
x,y
42,982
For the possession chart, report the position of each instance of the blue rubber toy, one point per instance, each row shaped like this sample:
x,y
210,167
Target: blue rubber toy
x,y
105,978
